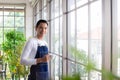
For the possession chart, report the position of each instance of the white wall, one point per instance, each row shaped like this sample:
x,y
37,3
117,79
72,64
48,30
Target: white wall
x,y
29,15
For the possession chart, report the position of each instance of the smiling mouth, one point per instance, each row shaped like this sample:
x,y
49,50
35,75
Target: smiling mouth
x,y
41,32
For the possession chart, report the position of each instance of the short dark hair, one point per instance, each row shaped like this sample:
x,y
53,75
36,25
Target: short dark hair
x,y
41,21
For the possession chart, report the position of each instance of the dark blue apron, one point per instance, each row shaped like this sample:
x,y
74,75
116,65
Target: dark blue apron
x,y
39,71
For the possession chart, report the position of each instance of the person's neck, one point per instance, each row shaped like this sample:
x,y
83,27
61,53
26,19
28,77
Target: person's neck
x,y
39,37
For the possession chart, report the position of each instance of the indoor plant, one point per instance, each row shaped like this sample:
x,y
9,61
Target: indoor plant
x,y
12,47
89,66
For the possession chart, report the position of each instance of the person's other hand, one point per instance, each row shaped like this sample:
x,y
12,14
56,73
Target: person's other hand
x,y
46,58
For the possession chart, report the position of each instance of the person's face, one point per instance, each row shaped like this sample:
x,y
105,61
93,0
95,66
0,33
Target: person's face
x,y
41,29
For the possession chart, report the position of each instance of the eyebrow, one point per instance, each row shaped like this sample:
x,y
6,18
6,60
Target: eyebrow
x,y
42,27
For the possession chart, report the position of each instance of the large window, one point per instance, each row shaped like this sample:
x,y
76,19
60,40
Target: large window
x,y
12,17
85,35
81,31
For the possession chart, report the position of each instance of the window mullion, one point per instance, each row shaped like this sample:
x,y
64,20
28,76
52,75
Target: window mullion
x,y
106,35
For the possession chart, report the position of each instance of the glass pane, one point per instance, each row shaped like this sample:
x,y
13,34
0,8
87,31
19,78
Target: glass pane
x,y
38,17
44,15
61,37
61,66
40,5
72,68
1,35
56,68
40,14
45,2
9,21
1,12
82,35
71,4
57,37
81,2
56,8
118,35
52,9
71,29
19,21
94,75
9,12
61,7
1,21
19,13
52,36
46,38
82,71
20,29
37,8
96,33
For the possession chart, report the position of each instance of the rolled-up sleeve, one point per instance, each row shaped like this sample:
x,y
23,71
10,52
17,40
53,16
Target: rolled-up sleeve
x,y
25,57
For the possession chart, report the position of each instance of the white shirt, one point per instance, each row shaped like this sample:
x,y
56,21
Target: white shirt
x,y
29,51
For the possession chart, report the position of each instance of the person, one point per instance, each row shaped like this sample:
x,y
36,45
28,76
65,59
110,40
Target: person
x,y
35,53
